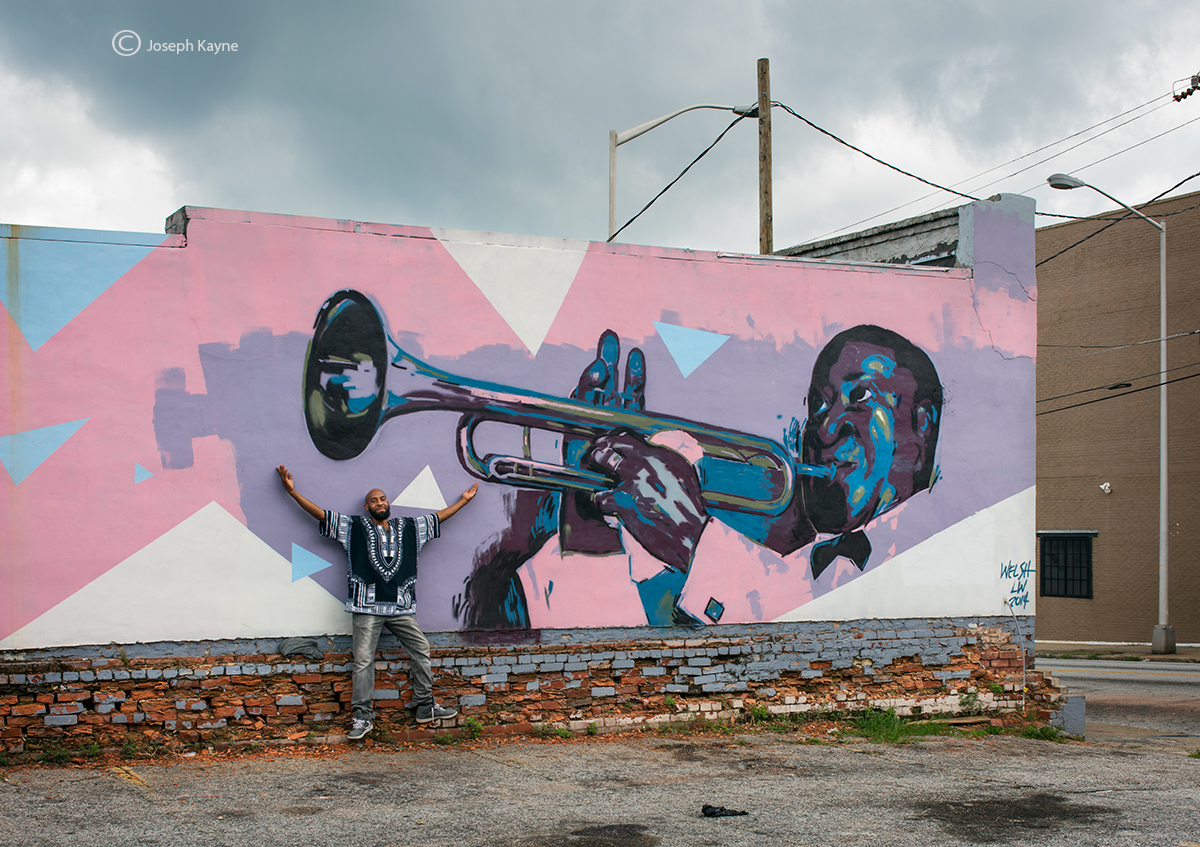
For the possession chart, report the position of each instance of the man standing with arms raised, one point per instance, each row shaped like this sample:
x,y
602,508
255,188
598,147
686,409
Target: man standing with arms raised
x,y
382,556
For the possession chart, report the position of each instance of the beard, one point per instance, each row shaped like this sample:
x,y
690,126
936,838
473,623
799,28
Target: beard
x,y
381,514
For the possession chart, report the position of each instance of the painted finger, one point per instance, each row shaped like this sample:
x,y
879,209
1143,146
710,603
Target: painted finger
x,y
634,394
601,375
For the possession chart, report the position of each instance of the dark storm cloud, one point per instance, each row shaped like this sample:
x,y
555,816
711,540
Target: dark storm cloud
x,y
495,116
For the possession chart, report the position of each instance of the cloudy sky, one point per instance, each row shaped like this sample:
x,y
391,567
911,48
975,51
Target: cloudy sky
x,y
495,115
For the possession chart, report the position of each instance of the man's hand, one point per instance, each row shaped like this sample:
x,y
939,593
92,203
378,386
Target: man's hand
x,y
657,498
453,508
285,476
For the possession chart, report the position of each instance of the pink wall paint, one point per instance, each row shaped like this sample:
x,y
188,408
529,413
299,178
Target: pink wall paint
x,y
245,279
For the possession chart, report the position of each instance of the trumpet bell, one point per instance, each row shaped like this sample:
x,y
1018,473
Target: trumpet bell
x,y
344,375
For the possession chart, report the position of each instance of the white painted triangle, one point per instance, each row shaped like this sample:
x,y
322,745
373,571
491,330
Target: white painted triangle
x,y
209,577
956,572
525,278
422,493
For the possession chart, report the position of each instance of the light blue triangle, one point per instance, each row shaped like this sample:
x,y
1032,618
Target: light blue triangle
x,y
140,474
22,452
689,347
305,563
50,275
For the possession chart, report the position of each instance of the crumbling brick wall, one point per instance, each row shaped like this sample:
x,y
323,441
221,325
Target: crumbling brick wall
x,y
611,678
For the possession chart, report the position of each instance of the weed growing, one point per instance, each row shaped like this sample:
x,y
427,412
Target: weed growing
x,y
1043,733
472,727
889,728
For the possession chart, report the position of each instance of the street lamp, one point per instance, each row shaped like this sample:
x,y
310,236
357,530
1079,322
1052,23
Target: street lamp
x,y
1163,639
616,139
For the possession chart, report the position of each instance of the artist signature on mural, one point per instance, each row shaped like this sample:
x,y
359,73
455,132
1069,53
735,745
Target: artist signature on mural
x,y
1018,574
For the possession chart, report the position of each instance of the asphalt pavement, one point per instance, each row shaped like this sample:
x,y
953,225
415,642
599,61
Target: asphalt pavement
x,y
638,790
1131,695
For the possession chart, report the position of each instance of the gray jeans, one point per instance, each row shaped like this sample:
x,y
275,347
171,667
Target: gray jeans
x,y
367,629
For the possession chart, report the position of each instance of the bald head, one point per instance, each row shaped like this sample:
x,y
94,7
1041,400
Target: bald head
x,y
377,505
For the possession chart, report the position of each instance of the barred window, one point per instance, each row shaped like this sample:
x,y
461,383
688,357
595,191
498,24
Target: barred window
x,y
1066,569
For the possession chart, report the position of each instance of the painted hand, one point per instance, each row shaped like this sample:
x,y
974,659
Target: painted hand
x,y
657,498
582,527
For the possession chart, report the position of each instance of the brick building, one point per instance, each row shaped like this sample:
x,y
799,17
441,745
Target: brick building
x,y
1098,425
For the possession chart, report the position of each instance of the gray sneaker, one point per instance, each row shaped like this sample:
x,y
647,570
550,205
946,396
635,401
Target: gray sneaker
x,y
434,712
359,729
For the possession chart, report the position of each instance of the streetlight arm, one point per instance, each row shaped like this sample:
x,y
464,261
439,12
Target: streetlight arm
x,y
1152,223
616,139
630,134
1067,182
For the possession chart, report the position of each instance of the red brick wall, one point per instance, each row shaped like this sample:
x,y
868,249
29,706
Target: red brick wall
x,y
47,701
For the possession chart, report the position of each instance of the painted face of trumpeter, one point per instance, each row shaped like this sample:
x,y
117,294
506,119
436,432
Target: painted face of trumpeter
x,y
873,415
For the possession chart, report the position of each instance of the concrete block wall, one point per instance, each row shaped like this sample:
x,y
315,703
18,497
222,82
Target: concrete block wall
x,y
202,691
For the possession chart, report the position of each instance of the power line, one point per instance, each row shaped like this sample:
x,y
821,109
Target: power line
x,y
1019,158
842,141
1109,387
1115,396
1126,150
943,188
1121,347
1080,144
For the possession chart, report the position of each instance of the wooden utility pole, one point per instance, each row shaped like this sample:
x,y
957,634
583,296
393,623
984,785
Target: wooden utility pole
x,y
765,223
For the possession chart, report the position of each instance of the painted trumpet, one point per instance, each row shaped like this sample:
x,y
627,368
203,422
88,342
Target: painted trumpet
x,y
356,377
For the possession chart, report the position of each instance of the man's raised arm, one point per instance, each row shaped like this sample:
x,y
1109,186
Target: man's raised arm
x,y
285,476
453,507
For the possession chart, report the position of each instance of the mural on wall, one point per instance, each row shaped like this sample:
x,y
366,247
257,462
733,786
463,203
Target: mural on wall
x,y
666,437
867,445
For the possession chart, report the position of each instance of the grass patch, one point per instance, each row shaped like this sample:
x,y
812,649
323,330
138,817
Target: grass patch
x,y
1042,733
592,729
757,713
445,738
55,756
1195,754
472,728
889,728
